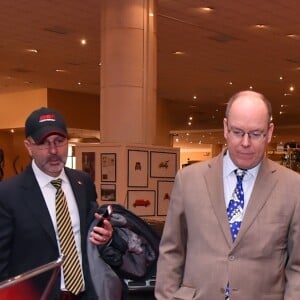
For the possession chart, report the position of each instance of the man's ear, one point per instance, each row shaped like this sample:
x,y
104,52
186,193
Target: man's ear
x,y
28,147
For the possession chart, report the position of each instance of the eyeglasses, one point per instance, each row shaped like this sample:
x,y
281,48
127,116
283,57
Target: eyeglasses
x,y
46,145
252,135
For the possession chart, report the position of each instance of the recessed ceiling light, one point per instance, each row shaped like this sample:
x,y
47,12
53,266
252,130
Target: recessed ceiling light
x,y
230,83
83,42
60,71
261,26
251,87
195,97
281,78
79,83
291,88
206,9
12,130
32,50
178,53
292,36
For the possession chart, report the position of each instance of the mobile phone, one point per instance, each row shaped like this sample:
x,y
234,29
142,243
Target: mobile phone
x,y
106,215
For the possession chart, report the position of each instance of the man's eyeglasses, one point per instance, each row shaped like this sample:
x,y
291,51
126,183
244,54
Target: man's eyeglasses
x,y
46,145
252,135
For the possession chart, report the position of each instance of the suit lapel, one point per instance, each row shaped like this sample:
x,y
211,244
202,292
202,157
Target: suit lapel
x,y
215,187
80,197
33,198
262,189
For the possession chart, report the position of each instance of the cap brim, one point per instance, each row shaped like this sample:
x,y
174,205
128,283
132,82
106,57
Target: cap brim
x,y
43,133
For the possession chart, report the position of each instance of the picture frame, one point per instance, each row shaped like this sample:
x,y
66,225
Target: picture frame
x,y
164,189
108,192
141,202
108,167
88,163
163,164
137,168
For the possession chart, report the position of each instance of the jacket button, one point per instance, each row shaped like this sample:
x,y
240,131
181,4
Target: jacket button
x,y
231,257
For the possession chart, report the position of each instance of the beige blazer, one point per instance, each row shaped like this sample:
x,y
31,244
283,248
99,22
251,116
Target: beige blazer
x,y
197,256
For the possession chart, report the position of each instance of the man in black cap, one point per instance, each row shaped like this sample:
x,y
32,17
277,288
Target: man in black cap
x,y
31,233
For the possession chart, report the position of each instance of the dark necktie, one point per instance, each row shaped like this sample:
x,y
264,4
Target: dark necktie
x,y
71,266
236,205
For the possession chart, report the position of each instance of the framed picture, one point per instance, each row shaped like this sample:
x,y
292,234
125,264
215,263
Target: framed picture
x,y
164,189
108,192
137,168
163,164
88,163
141,202
108,167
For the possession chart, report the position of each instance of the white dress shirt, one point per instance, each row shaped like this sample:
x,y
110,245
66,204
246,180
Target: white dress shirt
x,y
229,181
49,191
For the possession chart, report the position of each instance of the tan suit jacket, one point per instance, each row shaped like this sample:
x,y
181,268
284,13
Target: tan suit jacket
x,y
197,256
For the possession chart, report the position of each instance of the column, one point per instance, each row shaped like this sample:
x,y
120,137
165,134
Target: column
x,y
128,72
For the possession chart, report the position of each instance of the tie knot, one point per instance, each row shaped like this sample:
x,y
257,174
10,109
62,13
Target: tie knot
x,y
56,183
240,173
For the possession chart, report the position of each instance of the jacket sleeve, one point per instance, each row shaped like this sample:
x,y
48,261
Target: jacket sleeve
x,y
172,247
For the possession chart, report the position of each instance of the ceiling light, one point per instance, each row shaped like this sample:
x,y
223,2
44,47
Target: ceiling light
x,y
32,50
206,9
281,78
189,123
151,14
178,53
190,118
230,83
12,130
60,70
292,36
83,42
195,97
79,83
261,26
251,87
291,88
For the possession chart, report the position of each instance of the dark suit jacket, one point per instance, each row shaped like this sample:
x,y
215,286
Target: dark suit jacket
x,y
197,256
27,236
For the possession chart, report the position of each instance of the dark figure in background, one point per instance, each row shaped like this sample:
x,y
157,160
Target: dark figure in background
x,y
203,254
29,235
1,164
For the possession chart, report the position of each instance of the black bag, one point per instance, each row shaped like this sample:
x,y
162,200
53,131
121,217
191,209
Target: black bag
x,y
134,249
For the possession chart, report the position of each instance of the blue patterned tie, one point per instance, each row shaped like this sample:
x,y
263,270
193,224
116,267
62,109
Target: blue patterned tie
x,y
236,205
235,210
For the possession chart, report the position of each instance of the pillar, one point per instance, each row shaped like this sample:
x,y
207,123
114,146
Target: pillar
x,y
128,72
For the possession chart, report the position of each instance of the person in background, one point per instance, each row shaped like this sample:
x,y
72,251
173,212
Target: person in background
x,y
233,226
34,227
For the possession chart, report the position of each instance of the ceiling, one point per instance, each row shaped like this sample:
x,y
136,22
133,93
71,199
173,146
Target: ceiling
x,y
223,51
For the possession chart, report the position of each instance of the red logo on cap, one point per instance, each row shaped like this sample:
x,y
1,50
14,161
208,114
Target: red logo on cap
x,y
49,117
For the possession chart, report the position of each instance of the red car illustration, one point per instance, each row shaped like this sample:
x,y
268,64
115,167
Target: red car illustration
x,y
141,202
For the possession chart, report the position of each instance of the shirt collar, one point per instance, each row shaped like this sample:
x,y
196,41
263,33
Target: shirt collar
x,y
229,167
44,179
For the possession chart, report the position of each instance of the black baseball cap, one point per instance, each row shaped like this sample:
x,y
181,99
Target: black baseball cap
x,y
44,122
